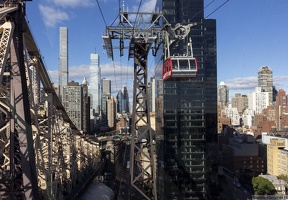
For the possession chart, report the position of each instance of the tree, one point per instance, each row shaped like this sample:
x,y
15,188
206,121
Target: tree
x,y
283,177
262,186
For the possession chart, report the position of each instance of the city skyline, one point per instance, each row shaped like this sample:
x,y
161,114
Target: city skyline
x,y
187,149
245,43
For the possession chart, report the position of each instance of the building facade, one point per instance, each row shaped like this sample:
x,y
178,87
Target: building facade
x,y
240,102
242,153
223,95
258,100
248,118
94,89
111,112
276,158
186,132
265,81
233,114
86,107
63,60
106,94
281,109
73,103
106,86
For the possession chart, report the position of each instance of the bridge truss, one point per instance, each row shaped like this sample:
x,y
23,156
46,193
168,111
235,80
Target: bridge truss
x,y
42,154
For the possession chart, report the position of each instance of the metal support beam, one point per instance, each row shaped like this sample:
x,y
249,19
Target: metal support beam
x,y
108,46
6,34
22,134
142,163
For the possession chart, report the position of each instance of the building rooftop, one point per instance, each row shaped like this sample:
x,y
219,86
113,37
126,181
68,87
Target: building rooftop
x,y
222,83
274,180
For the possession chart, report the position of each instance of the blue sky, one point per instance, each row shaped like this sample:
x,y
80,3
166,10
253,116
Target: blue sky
x,y
250,34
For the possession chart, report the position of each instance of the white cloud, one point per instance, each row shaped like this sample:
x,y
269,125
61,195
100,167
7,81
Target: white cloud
x,y
77,73
52,16
243,83
249,83
73,3
281,82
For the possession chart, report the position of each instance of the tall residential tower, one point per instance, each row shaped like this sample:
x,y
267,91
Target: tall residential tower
x,y
63,60
265,81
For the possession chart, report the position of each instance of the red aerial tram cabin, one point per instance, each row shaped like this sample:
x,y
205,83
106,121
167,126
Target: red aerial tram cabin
x,y
179,68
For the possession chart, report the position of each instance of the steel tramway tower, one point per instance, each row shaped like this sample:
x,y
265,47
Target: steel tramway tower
x,y
147,32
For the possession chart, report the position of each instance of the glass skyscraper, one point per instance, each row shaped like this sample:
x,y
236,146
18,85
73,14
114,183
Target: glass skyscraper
x,y
94,89
123,101
63,59
186,112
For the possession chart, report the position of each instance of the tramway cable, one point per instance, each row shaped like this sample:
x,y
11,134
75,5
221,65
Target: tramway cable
x,y
202,9
101,12
217,9
114,68
137,13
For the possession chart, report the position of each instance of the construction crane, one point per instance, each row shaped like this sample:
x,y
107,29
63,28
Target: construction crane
x,y
144,34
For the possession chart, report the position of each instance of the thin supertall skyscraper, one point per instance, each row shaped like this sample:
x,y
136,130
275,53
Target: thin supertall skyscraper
x,y
63,60
186,129
95,89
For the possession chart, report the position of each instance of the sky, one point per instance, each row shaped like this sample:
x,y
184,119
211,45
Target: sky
x,y
250,34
